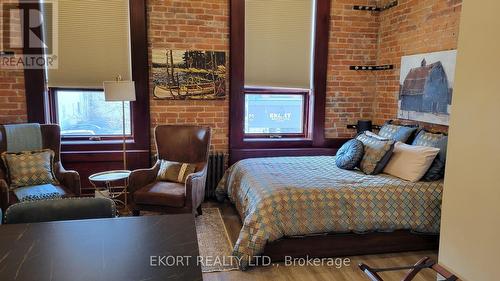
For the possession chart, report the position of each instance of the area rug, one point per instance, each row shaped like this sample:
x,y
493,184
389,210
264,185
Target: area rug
x,y
213,241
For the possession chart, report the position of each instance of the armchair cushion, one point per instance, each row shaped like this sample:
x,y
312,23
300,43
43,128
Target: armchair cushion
x,y
30,168
174,171
161,193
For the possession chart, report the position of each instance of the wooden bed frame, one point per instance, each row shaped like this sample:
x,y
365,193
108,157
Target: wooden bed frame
x,y
350,244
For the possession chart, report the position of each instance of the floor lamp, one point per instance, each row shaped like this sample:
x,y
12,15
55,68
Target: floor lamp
x,y
120,91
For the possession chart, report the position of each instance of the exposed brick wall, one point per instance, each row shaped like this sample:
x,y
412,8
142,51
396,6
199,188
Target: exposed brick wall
x,y
205,25
353,41
356,37
198,25
413,27
12,97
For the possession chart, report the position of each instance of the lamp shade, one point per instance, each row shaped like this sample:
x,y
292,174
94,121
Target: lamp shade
x,y
119,90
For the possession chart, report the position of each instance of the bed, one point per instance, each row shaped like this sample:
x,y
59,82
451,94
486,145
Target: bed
x,y
286,197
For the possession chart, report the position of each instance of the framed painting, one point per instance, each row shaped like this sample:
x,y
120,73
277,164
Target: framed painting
x,y
189,74
426,87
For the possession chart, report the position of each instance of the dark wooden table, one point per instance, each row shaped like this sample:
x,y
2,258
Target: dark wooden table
x,y
101,249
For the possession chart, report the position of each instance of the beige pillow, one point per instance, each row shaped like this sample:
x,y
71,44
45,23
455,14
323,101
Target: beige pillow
x,y
410,162
174,171
29,168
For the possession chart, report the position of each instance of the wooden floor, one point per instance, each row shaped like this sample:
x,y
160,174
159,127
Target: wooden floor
x,y
315,273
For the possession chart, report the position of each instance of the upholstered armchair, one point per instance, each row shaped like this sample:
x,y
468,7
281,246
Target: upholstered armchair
x,y
51,139
178,143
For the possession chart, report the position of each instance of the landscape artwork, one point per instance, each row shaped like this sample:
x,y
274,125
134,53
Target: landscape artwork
x,y
189,74
426,87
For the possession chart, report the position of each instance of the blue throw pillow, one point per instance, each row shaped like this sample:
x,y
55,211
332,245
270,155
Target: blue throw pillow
x,y
350,154
396,132
436,171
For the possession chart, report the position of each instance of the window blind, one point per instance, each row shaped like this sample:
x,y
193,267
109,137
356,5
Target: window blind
x,y
93,43
278,43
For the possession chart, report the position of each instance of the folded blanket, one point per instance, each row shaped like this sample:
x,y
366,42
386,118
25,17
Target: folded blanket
x,y
23,137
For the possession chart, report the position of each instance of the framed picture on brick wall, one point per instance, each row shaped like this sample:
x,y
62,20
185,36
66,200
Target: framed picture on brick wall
x,y
189,74
426,87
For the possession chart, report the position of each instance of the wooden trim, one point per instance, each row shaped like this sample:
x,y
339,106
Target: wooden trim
x,y
297,147
140,72
97,156
237,77
34,79
237,140
322,35
240,154
90,162
275,90
350,244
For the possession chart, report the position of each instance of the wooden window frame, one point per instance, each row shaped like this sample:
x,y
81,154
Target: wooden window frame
x,y
54,118
283,91
315,144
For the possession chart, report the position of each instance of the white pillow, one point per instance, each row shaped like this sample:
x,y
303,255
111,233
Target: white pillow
x,y
410,162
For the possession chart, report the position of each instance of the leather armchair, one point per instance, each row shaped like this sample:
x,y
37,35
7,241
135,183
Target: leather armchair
x,y
179,143
51,139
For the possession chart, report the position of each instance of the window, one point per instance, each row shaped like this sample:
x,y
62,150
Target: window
x,y
278,77
85,113
85,35
276,115
277,62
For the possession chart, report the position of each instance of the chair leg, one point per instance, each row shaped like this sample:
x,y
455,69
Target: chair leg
x,y
136,212
199,211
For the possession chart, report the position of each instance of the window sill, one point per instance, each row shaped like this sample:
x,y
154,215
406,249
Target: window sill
x,y
276,140
97,142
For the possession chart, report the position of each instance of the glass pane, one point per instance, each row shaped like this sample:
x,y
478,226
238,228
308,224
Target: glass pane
x,y
274,114
86,113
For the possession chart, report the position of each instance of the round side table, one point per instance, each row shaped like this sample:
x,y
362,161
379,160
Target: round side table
x,y
111,191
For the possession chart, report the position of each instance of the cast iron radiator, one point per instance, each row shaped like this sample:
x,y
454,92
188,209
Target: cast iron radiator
x,y
216,169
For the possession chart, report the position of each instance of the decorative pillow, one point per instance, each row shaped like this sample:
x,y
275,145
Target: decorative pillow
x,y
377,154
396,132
436,171
349,155
373,135
30,168
174,171
410,162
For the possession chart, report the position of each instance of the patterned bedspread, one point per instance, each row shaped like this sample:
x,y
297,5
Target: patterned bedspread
x,y
288,196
